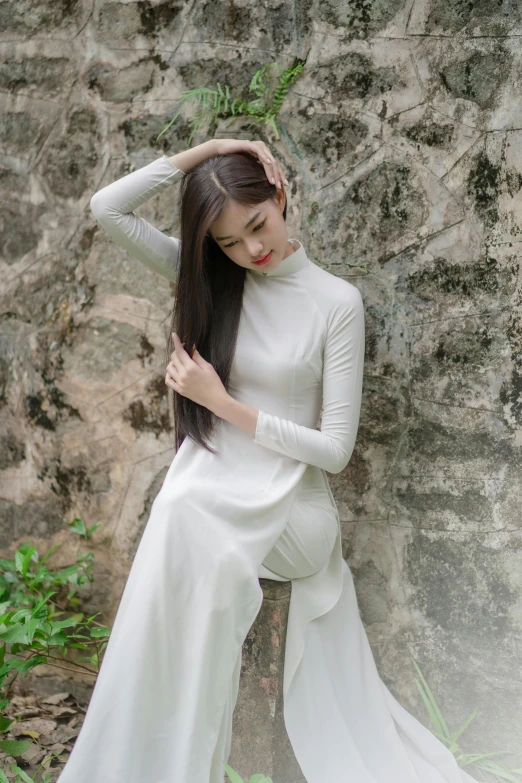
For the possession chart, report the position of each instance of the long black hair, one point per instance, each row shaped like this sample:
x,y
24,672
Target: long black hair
x,y
209,293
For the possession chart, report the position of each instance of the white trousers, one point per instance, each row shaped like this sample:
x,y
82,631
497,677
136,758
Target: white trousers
x,y
304,548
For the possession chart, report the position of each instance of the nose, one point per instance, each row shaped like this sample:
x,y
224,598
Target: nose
x,y
255,250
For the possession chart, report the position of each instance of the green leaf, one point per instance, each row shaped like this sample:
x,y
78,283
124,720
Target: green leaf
x,y
49,553
32,626
23,558
59,639
499,770
432,706
19,561
5,722
44,600
21,614
77,526
464,725
100,633
25,777
15,747
28,557
68,623
15,634
232,774
24,666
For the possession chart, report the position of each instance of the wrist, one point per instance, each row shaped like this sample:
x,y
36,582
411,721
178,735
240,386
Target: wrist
x,y
188,159
212,147
223,405
237,413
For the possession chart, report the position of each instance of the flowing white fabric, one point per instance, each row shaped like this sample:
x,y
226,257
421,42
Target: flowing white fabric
x,y
161,710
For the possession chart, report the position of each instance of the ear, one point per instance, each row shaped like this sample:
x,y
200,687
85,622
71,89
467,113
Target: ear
x,y
281,199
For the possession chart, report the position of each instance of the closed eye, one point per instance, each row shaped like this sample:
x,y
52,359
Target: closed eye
x,y
259,225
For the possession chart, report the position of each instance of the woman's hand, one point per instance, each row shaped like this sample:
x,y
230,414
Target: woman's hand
x,y
194,377
274,172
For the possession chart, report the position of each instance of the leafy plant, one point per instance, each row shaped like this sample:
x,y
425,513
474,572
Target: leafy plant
x,y
211,105
78,526
32,597
235,778
23,777
479,760
39,623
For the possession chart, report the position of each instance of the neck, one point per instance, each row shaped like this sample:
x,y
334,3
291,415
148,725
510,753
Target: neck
x,y
292,263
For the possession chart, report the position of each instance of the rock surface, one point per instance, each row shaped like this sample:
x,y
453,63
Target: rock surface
x,y
402,144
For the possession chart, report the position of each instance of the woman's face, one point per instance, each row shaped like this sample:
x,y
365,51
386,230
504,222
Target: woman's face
x,y
246,233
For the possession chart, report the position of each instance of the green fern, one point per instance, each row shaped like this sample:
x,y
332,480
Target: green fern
x,y
212,105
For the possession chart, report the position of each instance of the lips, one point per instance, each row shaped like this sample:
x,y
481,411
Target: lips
x,y
264,259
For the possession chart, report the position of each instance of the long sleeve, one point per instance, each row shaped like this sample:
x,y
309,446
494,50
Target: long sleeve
x,y
331,447
112,207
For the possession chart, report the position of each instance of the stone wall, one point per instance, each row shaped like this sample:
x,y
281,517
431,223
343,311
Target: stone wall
x,y
402,141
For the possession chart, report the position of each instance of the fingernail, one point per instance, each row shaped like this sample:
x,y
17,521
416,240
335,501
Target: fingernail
x,y
278,184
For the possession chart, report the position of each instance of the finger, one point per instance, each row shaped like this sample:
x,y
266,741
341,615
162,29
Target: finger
x,y
175,355
264,152
272,169
198,359
175,364
173,372
170,382
270,174
278,176
267,160
180,352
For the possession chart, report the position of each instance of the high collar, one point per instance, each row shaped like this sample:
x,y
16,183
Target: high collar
x,y
292,263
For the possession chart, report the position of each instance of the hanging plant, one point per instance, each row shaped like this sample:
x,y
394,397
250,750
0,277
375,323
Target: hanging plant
x,y
270,85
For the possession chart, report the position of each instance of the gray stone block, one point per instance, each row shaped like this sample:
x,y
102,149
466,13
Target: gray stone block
x,y
260,743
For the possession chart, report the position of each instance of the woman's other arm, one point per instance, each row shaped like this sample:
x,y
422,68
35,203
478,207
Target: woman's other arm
x,y
113,208
331,447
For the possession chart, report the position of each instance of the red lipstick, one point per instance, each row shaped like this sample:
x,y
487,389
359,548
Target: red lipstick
x,y
264,260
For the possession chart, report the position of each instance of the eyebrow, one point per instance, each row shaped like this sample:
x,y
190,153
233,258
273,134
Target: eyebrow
x,y
247,225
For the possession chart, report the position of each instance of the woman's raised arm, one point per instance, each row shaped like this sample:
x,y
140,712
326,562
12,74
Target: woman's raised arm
x,y
113,206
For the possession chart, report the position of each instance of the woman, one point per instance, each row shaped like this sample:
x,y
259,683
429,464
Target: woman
x,y
266,369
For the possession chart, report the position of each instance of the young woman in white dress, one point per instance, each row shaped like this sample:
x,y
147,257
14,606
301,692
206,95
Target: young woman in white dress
x,y
266,367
